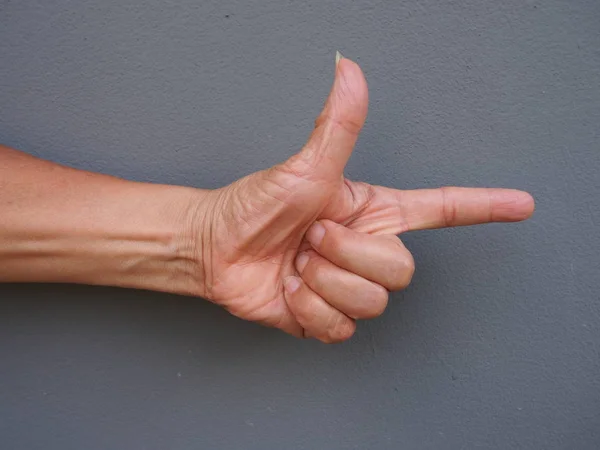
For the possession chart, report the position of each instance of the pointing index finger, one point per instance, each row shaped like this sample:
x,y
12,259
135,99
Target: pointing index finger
x,y
456,206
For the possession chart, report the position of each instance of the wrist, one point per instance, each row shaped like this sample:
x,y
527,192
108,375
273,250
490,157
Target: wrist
x,y
171,240
141,241
190,243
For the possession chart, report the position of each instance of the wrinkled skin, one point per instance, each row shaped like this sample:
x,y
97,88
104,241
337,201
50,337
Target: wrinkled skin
x,y
254,229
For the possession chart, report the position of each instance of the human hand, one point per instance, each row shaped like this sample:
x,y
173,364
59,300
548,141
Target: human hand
x,y
301,248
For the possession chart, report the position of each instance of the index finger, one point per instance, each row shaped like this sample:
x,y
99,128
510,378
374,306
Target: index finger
x,y
423,209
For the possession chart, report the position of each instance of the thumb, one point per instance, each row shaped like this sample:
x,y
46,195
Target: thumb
x,y
337,127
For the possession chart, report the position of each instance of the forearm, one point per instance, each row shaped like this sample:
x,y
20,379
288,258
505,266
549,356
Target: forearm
x,y
59,224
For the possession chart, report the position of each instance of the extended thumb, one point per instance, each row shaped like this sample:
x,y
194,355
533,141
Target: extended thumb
x,y
337,127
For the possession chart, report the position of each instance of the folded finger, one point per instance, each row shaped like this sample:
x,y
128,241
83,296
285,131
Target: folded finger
x,y
318,318
382,259
349,293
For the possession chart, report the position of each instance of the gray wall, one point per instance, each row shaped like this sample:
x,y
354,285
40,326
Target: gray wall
x,y
494,346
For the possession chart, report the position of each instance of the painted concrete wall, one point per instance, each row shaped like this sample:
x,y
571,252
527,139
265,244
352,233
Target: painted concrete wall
x,y
494,346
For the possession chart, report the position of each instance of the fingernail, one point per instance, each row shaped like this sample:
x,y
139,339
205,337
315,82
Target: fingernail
x,y
301,262
338,56
315,234
291,284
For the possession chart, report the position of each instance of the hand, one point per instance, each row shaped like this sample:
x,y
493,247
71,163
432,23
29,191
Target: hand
x,y
301,248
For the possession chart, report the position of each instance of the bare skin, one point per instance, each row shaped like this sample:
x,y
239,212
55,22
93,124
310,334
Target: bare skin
x,y
297,246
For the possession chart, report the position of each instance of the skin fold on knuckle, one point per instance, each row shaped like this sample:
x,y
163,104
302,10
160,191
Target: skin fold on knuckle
x,y
400,271
306,314
341,330
373,304
310,317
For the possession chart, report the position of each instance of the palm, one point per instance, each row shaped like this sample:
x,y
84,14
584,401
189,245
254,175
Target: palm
x,y
255,251
258,223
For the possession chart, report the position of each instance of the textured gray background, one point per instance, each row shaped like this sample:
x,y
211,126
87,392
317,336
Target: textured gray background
x,y
494,346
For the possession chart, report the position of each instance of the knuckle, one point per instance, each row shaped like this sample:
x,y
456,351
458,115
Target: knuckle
x,y
375,303
304,312
402,271
342,330
449,206
314,272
